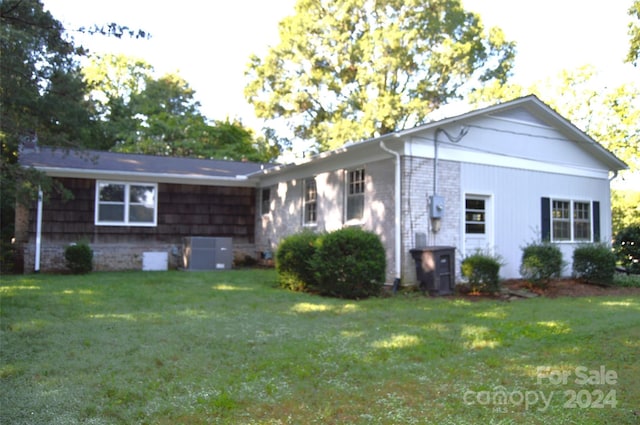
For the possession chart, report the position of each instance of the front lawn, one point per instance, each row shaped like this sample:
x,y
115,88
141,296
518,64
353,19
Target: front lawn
x,y
230,347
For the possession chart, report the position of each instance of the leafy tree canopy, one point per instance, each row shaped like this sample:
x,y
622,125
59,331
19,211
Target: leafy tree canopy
x,y
625,209
354,69
634,33
41,95
160,116
41,90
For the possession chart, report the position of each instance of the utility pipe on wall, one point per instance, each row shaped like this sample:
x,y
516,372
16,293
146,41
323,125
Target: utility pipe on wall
x,y
463,132
38,232
398,205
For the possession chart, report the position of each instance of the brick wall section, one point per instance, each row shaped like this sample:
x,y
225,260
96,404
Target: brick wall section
x,y
183,210
417,186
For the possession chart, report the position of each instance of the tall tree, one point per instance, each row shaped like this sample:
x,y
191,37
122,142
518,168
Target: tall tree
x,y
112,80
352,69
166,116
41,97
162,117
634,33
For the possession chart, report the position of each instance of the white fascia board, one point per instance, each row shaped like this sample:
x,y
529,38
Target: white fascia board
x,y
449,152
338,162
335,156
236,181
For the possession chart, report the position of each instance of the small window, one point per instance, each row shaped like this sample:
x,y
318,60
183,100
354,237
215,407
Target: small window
x,y
582,221
571,221
561,217
310,213
265,201
474,217
129,204
355,194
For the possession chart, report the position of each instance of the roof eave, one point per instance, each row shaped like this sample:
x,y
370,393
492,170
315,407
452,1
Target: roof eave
x,y
236,181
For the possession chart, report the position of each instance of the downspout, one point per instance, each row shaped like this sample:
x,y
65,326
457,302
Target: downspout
x,y
398,205
38,232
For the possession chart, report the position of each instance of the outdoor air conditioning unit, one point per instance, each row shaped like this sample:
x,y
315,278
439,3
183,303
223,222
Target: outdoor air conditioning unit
x,y
207,253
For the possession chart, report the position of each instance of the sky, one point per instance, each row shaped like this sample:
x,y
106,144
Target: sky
x,y
209,42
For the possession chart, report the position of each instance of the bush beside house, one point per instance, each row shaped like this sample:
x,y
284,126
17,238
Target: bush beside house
x,y
347,263
483,272
293,263
594,263
626,246
541,262
79,258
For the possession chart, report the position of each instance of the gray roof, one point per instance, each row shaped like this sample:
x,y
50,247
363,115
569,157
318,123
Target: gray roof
x,y
98,164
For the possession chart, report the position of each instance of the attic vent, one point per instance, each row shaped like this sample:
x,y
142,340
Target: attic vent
x,y
205,253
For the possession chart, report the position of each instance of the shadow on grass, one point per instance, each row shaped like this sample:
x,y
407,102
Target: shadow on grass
x,y
228,347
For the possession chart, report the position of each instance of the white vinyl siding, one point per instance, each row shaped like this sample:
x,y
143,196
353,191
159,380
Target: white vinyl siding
x,y
516,213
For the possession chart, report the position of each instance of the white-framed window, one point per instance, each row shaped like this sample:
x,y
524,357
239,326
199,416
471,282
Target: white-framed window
x,y
571,221
126,204
355,194
475,216
265,200
310,205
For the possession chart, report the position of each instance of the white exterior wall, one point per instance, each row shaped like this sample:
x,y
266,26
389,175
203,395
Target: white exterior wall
x,y
285,215
513,155
417,229
516,207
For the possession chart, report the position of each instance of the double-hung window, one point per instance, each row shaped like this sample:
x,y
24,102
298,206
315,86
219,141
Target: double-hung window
x,y
571,221
265,201
475,216
126,204
310,213
355,194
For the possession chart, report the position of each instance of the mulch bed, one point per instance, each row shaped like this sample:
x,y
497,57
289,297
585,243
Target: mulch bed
x,y
570,288
518,289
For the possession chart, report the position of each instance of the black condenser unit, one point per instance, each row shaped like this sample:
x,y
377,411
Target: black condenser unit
x,y
435,269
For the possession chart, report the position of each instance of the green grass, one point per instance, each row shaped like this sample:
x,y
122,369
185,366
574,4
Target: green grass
x,y
230,347
630,281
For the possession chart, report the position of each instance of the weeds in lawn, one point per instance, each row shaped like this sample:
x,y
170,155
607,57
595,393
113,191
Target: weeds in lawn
x,y
230,347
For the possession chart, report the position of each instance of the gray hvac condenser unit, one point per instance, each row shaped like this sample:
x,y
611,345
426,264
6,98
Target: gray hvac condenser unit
x,y
207,253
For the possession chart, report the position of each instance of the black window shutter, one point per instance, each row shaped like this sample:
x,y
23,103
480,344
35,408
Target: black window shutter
x,y
545,213
596,221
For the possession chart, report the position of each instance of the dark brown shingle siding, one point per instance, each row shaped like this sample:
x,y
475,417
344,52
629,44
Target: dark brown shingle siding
x,y
183,210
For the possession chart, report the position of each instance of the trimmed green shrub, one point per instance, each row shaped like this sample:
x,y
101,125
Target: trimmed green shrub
x,y
594,263
7,257
482,270
79,258
350,263
293,261
626,280
541,262
626,246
